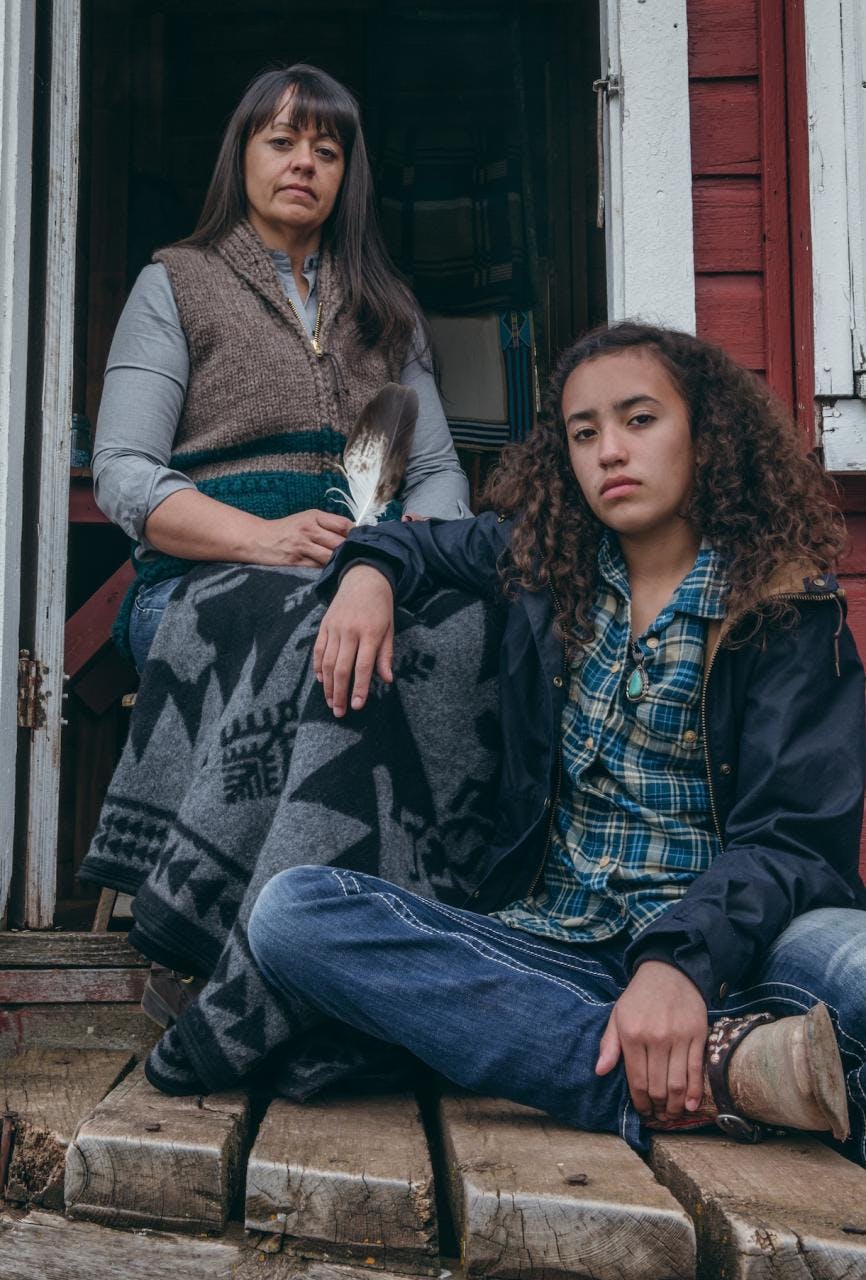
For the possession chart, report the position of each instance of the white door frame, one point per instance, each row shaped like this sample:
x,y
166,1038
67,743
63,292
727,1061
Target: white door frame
x,y
17,48
835,78
648,172
52,504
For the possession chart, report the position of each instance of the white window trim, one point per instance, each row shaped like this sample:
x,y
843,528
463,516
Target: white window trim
x,y
835,72
17,38
648,174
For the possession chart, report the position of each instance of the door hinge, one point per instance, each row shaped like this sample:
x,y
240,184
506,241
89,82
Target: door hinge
x,y
31,699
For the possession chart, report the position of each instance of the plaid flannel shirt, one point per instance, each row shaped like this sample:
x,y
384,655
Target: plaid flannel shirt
x,y
633,826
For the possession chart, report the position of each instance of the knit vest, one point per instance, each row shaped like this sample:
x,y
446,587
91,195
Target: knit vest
x,y
264,419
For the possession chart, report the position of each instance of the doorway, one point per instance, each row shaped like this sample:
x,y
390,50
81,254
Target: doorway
x,y
486,105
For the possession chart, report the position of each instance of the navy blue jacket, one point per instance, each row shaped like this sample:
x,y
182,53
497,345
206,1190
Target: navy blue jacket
x,y
784,739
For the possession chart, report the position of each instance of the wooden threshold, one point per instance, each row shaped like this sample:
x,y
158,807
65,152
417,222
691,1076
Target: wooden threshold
x,y
532,1198
787,1207
144,1159
346,1179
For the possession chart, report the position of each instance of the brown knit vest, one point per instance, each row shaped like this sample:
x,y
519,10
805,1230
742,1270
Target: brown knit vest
x,y
259,399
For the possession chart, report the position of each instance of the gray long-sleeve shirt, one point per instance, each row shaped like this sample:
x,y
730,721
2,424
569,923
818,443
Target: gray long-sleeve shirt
x,y
143,394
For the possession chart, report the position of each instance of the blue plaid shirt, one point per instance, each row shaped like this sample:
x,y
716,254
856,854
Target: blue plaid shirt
x,y
633,826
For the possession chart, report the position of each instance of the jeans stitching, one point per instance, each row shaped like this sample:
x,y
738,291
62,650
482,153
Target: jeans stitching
x,y
523,942
482,948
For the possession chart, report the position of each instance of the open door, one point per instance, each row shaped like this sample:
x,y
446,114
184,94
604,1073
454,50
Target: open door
x,y
17,47
34,906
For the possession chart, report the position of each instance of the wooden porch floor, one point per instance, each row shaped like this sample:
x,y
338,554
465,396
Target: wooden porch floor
x,y
144,1185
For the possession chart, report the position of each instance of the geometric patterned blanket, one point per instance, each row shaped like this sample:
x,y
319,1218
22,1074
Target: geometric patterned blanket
x,y
235,769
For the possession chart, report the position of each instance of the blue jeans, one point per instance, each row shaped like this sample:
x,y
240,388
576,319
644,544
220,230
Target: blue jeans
x,y
501,1012
145,616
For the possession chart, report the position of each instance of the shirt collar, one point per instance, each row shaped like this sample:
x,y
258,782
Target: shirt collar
x,y
283,263
702,592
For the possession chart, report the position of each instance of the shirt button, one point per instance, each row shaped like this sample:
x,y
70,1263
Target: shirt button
x,y
726,769
616,666
558,682
604,860
652,642
547,802
477,893
690,737
589,743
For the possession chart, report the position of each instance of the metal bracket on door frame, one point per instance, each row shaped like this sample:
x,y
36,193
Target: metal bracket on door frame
x,y
602,89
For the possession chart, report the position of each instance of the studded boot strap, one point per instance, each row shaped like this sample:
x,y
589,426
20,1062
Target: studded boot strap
x,y
723,1039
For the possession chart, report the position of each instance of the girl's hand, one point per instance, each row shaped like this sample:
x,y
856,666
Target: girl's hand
x,y
357,634
659,1025
307,538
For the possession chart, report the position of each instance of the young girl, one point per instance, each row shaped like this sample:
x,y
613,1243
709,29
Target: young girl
x,y
682,773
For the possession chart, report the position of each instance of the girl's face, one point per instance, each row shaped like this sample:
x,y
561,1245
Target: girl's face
x,y
630,442
291,177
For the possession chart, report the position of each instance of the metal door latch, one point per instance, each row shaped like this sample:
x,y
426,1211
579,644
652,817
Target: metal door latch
x,y
602,89
31,699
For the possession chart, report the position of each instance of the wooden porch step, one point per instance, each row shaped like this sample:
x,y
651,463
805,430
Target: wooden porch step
x,y
346,1179
787,1208
45,1246
144,1159
45,1094
532,1198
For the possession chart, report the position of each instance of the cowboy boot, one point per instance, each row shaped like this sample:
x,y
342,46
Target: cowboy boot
x,y
761,1073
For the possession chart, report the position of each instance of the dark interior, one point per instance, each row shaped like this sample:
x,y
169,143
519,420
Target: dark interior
x,y
473,110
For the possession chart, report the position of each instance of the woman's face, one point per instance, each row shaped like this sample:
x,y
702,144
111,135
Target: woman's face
x,y
630,442
291,178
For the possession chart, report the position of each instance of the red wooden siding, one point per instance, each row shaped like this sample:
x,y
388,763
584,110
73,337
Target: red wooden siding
x,y
750,190
739,167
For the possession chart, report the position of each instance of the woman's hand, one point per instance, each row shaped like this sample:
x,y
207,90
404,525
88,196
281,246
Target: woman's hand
x,y
357,634
307,538
659,1025
196,527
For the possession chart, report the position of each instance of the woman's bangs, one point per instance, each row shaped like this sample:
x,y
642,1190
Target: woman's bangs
x,y
313,104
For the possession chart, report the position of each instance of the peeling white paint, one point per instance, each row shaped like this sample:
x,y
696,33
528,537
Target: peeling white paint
x,y
650,254
16,136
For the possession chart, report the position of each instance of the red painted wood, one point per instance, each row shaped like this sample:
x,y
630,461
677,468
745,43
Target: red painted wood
x,y
774,191
62,986
725,128
723,38
82,504
89,628
730,312
800,216
727,220
854,561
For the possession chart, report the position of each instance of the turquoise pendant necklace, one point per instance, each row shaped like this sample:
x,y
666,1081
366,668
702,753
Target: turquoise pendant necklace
x,y
637,686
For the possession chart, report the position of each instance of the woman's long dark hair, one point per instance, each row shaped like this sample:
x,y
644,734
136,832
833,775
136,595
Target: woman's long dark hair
x,y
380,303
758,497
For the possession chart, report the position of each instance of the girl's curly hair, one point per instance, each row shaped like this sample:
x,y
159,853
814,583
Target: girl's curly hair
x,y
758,497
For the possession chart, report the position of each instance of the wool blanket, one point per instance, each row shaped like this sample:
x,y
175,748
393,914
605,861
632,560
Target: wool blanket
x,y
235,769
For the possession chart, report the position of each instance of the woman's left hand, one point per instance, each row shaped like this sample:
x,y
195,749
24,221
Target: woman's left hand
x,y
659,1027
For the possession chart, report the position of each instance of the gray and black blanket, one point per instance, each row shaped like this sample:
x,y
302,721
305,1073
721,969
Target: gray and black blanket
x,y
235,769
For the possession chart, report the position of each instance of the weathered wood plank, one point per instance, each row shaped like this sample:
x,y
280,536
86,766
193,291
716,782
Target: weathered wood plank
x,y
35,949
58,986
789,1209
346,1178
727,219
147,1160
76,1026
532,1198
723,39
49,1092
725,127
730,312
50,1247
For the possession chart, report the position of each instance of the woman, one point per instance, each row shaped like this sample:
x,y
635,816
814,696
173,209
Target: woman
x,y
246,352
682,780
